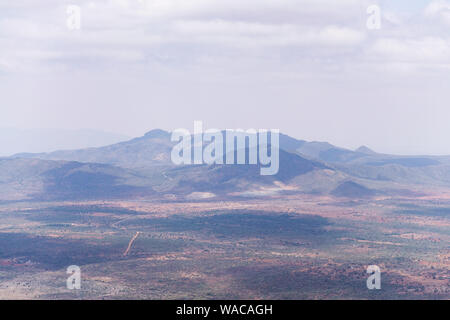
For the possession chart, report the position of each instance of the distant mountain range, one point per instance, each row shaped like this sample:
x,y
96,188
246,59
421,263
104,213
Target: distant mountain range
x,y
45,140
142,168
152,149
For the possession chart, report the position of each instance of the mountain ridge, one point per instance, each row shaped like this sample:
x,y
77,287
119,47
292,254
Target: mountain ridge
x,y
142,167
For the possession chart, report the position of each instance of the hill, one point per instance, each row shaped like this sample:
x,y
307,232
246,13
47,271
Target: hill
x,y
350,189
34,179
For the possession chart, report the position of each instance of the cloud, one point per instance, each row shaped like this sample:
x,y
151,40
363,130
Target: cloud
x,y
257,34
186,32
425,50
131,31
255,10
439,10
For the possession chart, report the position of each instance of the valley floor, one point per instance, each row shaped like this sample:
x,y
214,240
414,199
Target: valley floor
x,y
290,247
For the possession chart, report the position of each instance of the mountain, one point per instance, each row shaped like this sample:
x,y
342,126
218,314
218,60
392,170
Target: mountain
x,y
44,140
142,167
350,189
151,149
329,153
36,179
143,164
154,148
223,179
365,150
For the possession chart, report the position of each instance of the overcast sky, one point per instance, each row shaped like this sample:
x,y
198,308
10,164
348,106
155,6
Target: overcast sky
x,y
311,68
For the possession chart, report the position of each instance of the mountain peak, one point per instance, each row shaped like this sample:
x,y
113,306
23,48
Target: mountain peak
x,y
157,133
365,150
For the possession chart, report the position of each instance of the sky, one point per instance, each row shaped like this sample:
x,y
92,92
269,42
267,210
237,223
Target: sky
x,y
311,68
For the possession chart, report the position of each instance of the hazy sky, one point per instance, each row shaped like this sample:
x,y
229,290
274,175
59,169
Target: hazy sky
x,y
311,68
